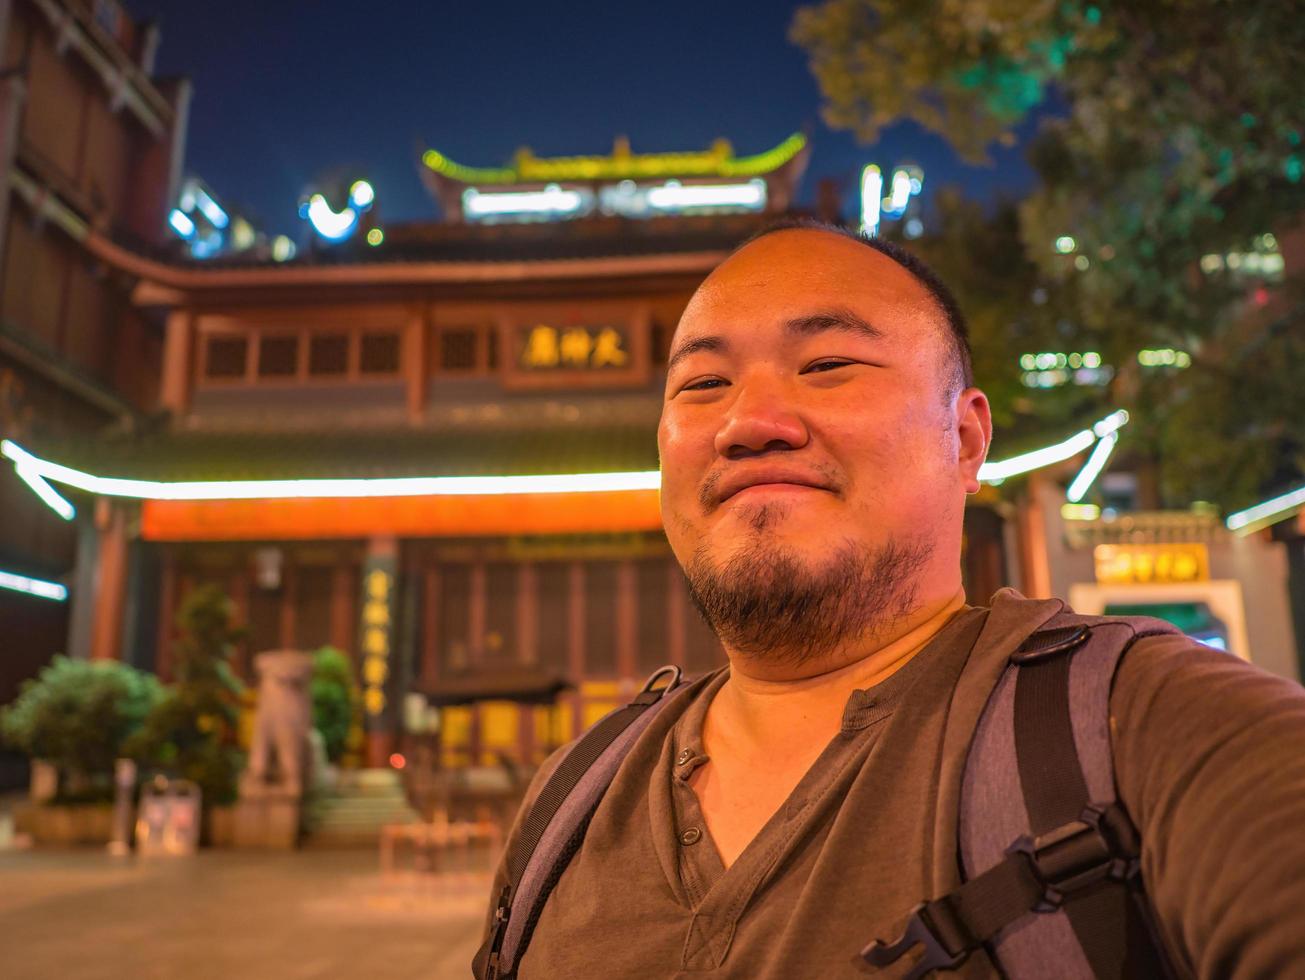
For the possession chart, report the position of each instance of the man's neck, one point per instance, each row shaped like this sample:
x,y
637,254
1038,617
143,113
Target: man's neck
x,y
759,707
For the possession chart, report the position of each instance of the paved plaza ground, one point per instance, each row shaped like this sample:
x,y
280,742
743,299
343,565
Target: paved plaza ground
x,y
83,915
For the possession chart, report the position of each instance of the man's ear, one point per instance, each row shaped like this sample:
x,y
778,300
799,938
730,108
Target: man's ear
x,y
974,435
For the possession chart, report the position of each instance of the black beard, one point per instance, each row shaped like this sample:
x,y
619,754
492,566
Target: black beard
x,y
766,604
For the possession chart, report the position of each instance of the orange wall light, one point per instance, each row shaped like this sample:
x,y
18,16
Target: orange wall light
x,y
354,517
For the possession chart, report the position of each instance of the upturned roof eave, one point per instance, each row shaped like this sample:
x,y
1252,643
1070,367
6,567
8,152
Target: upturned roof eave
x,y
161,278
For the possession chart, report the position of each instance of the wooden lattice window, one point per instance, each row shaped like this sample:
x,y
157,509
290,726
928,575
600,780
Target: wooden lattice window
x,y
225,357
278,356
458,349
328,355
379,353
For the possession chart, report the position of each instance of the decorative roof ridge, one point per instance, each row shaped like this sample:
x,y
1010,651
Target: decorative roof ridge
x,y
717,161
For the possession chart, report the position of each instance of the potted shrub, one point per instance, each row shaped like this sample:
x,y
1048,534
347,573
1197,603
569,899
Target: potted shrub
x,y
78,716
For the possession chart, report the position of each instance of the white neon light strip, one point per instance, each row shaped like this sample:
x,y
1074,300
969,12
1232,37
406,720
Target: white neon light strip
x,y
1266,513
872,189
181,224
438,486
1111,423
46,492
1038,458
211,210
672,196
330,224
900,192
552,200
33,586
1096,462
420,486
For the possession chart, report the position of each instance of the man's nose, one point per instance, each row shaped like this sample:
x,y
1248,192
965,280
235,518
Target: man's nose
x,y
760,420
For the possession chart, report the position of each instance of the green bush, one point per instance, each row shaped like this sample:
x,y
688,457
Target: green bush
x,y
78,715
335,699
191,732
179,739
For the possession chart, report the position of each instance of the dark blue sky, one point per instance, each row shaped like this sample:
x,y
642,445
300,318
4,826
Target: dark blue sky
x,y
286,90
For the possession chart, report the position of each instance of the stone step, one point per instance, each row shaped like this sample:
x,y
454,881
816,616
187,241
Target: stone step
x,y
368,780
346,823
330,805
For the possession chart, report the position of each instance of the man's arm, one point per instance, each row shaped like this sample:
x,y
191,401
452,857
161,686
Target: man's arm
x,y
1210,762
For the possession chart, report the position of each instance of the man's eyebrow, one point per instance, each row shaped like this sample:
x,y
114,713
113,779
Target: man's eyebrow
x,y
696,345
836,319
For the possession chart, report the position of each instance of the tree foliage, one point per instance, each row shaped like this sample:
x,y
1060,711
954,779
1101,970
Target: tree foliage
x,y
1180,138
77,715
191,732
335,698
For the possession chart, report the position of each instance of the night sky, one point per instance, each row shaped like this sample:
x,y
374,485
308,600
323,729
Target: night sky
x,y
285,92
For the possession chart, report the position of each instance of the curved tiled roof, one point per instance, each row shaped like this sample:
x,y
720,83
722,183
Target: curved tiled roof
x,y
526,168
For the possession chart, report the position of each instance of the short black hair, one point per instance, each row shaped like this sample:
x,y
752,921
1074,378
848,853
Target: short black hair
x,y
958,332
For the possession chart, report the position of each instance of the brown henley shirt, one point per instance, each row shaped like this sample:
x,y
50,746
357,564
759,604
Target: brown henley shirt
x,y
1210,761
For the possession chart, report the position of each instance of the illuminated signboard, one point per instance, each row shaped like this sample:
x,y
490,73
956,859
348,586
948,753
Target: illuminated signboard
x,y
1151,564
546,348
626,198
377,631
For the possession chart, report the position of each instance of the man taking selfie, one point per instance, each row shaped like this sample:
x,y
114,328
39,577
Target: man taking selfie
x,y
884,779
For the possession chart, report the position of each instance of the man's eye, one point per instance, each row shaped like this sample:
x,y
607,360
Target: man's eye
x,y
704,384
828,364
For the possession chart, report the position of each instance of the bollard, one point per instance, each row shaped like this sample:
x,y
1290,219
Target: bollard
x,y
124,791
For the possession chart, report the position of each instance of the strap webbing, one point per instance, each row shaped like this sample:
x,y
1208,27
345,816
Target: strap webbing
x,y
1071,853
1051,779
1106,920
564,780
558,819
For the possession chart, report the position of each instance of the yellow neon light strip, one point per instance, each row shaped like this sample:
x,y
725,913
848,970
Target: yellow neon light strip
x,y
529,168
452,486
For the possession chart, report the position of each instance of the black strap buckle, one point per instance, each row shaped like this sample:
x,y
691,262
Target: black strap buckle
x,y
1101,845
1045,644
649,694
501,916
920,931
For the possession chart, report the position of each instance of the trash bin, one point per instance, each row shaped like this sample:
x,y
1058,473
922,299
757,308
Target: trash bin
x,y
168,817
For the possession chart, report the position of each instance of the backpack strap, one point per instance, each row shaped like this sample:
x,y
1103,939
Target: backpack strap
x,y
1049,855
554,828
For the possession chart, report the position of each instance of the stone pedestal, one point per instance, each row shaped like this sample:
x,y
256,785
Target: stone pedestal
x,y
266,820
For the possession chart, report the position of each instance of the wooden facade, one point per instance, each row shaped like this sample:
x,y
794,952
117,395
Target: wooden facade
x,y
89,138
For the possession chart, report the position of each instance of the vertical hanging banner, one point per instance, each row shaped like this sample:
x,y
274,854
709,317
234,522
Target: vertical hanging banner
x,y
376,640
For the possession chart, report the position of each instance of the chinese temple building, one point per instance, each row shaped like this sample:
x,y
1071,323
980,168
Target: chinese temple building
x,y
430,445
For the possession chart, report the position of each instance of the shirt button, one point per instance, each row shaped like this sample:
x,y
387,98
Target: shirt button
x,y
691,836
684,756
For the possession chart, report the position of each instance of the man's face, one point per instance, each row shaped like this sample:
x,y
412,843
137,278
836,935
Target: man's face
x,y
808,418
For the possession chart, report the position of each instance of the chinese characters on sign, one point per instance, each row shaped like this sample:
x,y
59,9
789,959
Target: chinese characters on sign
x,y
376,626
573,348
1147,564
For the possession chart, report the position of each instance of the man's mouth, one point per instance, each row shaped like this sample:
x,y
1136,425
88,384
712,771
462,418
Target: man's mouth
x,y
769,480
